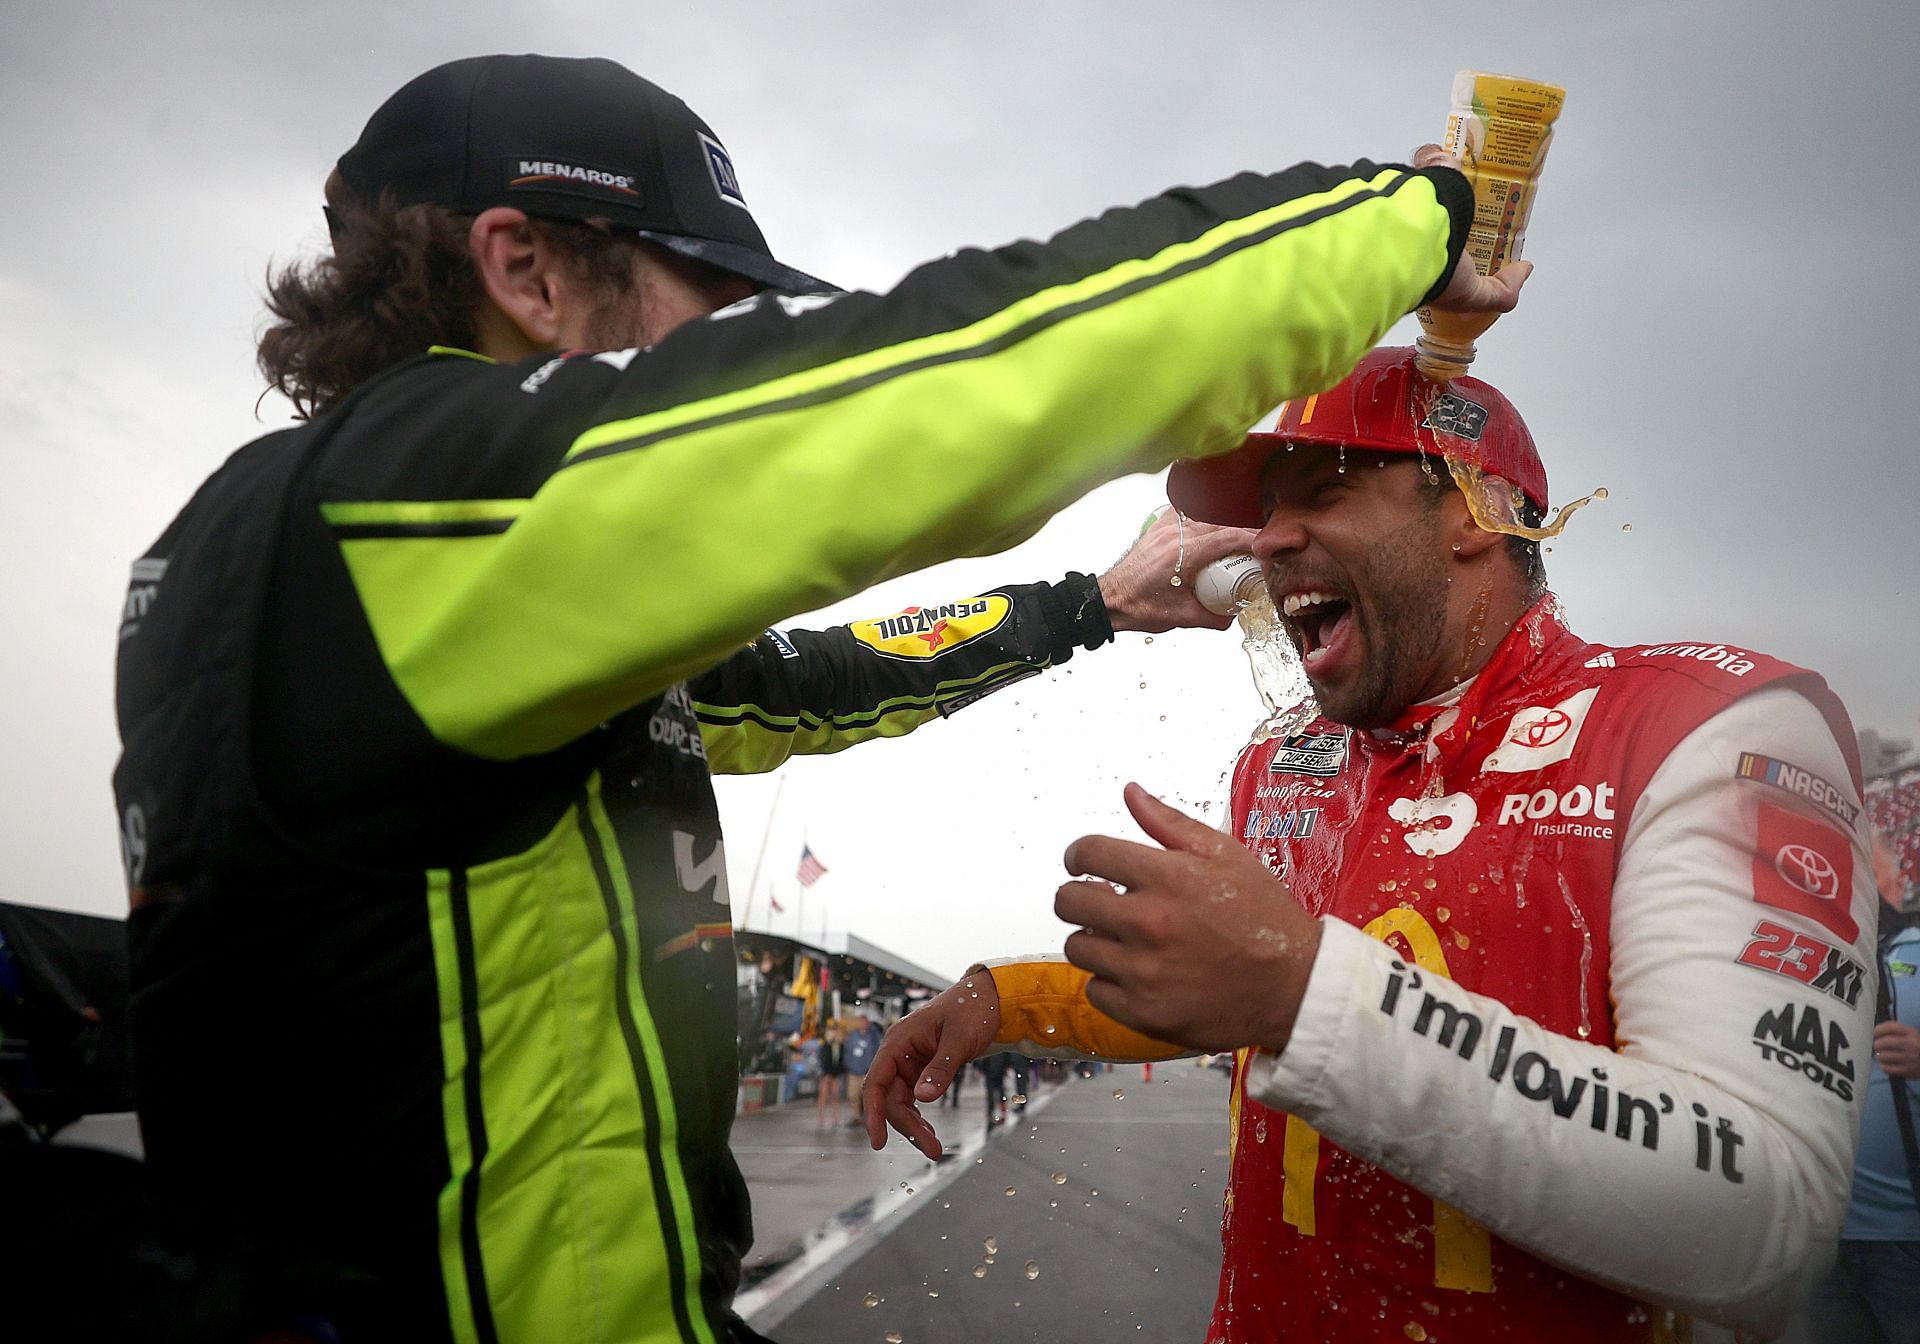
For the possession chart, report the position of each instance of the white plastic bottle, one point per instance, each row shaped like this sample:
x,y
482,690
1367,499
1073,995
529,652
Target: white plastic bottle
x,y
1228,584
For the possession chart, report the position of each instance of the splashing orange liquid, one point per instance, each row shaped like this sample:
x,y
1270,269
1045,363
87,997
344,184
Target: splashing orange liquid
x,y
1496,505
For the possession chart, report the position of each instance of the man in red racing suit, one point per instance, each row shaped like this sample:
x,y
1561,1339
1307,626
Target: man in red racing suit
x,y
1552,1026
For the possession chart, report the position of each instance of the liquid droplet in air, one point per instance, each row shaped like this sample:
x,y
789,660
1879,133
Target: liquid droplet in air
x,y
1119,1094
992,1246
1058,1178
1626,527
1031,1270
870,1300
1009,1192
979,1271
893,1337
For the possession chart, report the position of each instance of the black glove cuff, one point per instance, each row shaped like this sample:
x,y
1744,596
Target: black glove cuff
x,y
1456,194
1076,615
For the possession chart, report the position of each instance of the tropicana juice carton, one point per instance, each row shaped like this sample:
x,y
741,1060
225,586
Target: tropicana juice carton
x,y
1499,127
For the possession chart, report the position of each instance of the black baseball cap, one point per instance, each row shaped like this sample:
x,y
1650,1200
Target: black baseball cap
x,y
565,138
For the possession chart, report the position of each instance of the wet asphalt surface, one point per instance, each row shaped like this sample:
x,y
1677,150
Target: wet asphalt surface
x,y
1125,1246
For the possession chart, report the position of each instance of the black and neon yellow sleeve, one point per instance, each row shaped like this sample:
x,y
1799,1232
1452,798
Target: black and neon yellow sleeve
x,y
811,692
782,456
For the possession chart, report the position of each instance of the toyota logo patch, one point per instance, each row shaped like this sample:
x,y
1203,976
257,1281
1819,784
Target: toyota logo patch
x,y
1543,731
1807,869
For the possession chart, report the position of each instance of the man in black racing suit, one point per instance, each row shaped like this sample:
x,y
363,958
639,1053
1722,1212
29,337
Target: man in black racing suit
x,y
432,960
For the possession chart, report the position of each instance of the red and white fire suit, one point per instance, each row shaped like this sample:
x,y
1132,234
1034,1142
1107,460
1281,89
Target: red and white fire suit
x,y
1589,1022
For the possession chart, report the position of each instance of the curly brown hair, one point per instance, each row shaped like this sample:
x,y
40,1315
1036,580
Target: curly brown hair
x,y
399,279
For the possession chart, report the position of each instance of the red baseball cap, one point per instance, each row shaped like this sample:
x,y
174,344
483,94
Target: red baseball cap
x,y
1384,405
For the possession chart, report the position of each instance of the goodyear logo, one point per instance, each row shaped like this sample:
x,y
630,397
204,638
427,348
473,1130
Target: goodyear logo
x,y
928,632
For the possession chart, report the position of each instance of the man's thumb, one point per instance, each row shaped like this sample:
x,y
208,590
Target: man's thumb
x,y
1169,826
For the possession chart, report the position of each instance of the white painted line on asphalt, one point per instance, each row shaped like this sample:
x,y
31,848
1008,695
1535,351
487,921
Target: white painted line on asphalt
x,y
831,1248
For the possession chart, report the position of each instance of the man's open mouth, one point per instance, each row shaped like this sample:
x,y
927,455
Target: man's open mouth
x,y
1322,620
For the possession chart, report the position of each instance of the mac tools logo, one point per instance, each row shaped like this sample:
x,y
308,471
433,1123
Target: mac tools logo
x,y
1435,826
1798,1039
1541,734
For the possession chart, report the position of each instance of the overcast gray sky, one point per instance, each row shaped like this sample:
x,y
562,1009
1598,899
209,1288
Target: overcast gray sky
x,y
1720,332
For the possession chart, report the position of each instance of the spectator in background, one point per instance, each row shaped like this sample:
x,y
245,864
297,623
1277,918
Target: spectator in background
x,y
797,1064
1872,1293
1894,804
951,1097
833,1076
860,1047
993,1071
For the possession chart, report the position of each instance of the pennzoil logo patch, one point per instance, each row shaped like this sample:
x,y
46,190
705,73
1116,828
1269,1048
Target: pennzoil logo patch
x,y
920,633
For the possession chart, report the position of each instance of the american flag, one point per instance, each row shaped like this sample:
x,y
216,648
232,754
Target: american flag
x,y
811,869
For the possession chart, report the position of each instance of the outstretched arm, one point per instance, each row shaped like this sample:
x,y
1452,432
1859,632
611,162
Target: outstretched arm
x,y
624,520
806,692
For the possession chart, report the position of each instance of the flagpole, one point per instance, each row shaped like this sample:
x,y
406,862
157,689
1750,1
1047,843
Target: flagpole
x,y
800,902
753,883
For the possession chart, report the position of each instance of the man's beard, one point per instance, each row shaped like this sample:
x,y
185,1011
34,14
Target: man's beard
x,y
1400,625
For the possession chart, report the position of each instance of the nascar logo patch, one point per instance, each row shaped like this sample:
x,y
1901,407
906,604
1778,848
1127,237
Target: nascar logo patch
x,y
1321,754
1790,778
920,633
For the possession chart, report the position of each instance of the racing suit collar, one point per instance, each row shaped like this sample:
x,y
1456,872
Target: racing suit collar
x,y
1538,642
